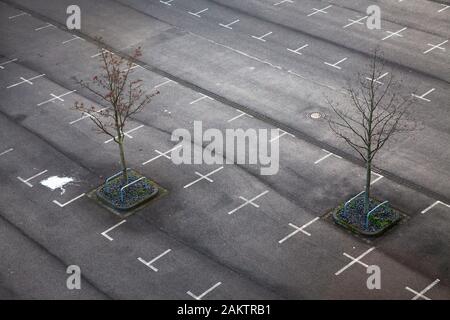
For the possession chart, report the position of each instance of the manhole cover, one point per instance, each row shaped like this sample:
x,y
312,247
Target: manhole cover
x,y
316,115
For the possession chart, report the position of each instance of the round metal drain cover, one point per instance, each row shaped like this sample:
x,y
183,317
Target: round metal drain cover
x,y
315,115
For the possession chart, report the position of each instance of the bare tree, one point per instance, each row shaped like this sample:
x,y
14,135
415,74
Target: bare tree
x,y
123,96
377,112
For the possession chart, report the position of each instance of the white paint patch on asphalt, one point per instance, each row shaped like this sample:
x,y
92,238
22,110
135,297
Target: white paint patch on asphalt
x,y
56,182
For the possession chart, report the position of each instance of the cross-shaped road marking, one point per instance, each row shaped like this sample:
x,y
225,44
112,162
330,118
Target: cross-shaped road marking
x,y
445,7
247,202
105,233
204,293
162,154
335,65
424,95
421,294
197,14
436,46
202,177
150,263
26,181
355,260
55,97
319,10
352,22
329,154
167,2
298,229
126,134
25,81
396,33
283,1
377,80
87,115
228,26
261,38
297,51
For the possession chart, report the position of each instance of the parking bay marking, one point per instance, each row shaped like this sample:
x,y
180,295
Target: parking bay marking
x,y
228,26
433,205
297,51
150,263
126,134
335,65
319,10
396,33
87,115
62,205
355,260
424,95
352,22
162,154
167,2
204,293
327,156
377,80
163,83
26,181
55,97
261,38
283,1
376,179
240,115
25,81
72,39
18,15
421,294
445,7
105,233
48,25
6,151
299,229
204,96
435,46
6,62
202,177
247,202
197,14
283,133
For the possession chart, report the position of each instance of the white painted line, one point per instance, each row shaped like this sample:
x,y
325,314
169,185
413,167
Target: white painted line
x,y
204,293
204,96
167,2
62,205
105,233
424,95
55,97
228,26
421,294
19,15
283,1
298,229
329,154
335,65
396,33
100,53
163,84
377,179
241,114
162,154
197,14
48,25
283,133
31,178
149,264
352,22
377,80
297,51
315,11
436,46
25,81
354,260
433,205
86,115
247,202
74,38
6,151
445,7
6,62
261,38
203,177
133,66
126,134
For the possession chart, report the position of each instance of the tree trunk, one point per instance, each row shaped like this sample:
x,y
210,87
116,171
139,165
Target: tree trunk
x,y
122,161
367,190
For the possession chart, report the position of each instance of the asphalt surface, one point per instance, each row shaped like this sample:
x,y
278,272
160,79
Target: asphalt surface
x,y
237,255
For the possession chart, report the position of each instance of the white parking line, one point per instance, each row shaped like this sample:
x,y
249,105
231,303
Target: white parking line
x,y
197,14
19,15
421,294
315,11
204,293
298,229
261,38
162,154
74,38
163,84
167,2
352,22
297,51
6,151
126,134
149,264
133,66
241,114
48,25
335,65
25,81
445,7
435,46
100,53
62,205
433,205
204,96
424,95
247,202
283,133
105,233
396,33
31,178
283,1
355,260
377,179
202,177
377,80
329,154
6,62
228,26
86,115
55,97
